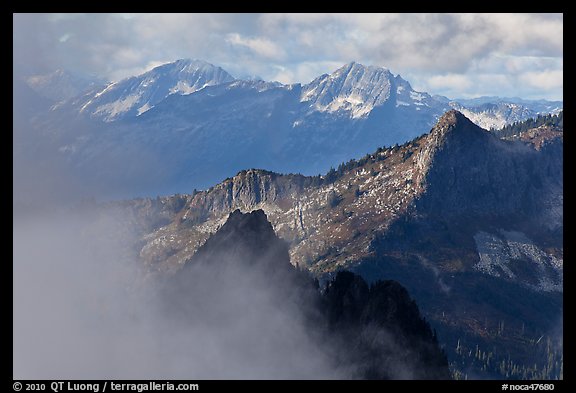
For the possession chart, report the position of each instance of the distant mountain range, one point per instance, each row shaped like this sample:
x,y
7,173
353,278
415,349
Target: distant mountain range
x,y
190,124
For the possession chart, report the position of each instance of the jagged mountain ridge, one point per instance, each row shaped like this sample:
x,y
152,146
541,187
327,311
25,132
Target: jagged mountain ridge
x,y
447,214
136,95
388,184
353,88
495,112
495,115
365,331
190,124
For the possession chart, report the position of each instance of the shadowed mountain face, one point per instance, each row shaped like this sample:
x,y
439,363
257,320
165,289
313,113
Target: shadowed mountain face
x,y
381,330
470,224
353,330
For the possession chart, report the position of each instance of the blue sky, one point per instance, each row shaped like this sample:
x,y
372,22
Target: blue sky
x,y
456,55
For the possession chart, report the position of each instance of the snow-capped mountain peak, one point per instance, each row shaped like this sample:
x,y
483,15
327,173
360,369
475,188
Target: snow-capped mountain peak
x,y
357,90
138,94
195,74
353,88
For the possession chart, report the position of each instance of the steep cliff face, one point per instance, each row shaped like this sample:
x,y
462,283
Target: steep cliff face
x,y
475,174
246,190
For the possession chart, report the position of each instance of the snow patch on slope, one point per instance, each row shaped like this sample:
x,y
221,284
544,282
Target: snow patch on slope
x,y
184,88
144,108
113,109
498,254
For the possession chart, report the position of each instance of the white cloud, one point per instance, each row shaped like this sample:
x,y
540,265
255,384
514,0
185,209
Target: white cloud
x,y
537,34
450,81
304,72
544,79
64,38
291,47
259,46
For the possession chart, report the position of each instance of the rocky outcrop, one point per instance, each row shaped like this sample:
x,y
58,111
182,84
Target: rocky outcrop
x,y
247,190
383,330
368,332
